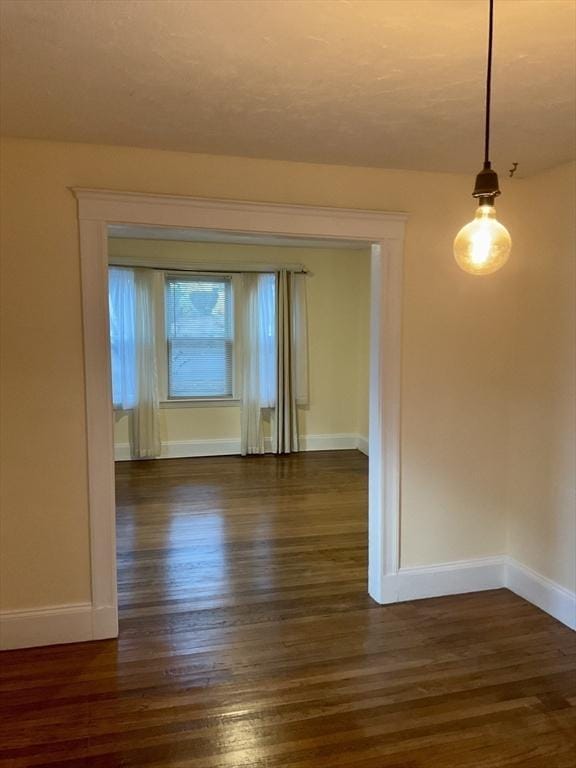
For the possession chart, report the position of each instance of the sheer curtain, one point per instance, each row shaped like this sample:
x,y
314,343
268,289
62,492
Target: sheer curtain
x,y
145,438
274,358
131,296
258,354
121,293
267,339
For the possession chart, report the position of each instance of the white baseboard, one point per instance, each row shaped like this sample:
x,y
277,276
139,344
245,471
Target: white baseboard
x,y
181,449
338,442
55,625
476,575
184,449
104,622
546,594
453,578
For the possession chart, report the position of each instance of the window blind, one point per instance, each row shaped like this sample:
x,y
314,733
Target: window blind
x,y
200,336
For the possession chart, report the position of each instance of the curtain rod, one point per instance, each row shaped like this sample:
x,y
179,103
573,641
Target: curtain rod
x,y
209,269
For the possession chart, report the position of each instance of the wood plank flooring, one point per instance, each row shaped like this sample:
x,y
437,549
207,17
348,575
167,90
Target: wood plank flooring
x,y
248,641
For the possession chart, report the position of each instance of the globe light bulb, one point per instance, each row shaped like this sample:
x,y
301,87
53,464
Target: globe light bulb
x,y
483,245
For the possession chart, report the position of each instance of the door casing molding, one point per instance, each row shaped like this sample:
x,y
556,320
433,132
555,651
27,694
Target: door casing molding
x,y
382,231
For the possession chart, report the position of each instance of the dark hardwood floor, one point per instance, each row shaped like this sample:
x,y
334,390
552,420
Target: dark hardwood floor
x,y
248,641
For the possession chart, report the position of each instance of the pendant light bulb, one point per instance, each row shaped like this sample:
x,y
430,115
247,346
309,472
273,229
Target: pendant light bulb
x,y
483,245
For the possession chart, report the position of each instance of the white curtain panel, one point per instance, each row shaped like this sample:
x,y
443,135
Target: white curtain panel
x,y
121,296
251,426
267,339
258,356
145,428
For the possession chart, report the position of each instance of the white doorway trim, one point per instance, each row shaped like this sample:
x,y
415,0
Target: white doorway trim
x,y
384,232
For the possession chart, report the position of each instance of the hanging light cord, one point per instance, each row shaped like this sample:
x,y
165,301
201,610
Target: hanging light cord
x,y
488,88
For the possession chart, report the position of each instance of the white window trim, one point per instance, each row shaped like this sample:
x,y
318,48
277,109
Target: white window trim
x,y
384,232
202,402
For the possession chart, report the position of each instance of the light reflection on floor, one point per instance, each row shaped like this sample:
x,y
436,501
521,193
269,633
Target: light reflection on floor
x,y
198,538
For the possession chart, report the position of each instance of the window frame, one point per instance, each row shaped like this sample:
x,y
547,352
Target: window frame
x,y
163,345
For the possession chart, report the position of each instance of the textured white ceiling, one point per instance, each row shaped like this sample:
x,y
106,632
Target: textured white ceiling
x,y
387,83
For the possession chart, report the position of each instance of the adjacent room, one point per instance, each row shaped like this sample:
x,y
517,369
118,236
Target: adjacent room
x,y
288,383
233,358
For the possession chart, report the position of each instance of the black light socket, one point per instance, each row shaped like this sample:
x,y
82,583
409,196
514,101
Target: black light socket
x,y
487,185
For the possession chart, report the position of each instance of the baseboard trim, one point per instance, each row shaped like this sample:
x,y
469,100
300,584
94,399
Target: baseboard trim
x,y
46,626
182,449
451,578
337,442
477,575
55,625
556,600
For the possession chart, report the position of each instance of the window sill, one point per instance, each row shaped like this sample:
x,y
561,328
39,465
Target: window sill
x,y
202,402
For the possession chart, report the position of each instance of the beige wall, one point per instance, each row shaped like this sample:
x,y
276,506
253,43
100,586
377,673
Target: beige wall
x,y
338,292
542,449
456,350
